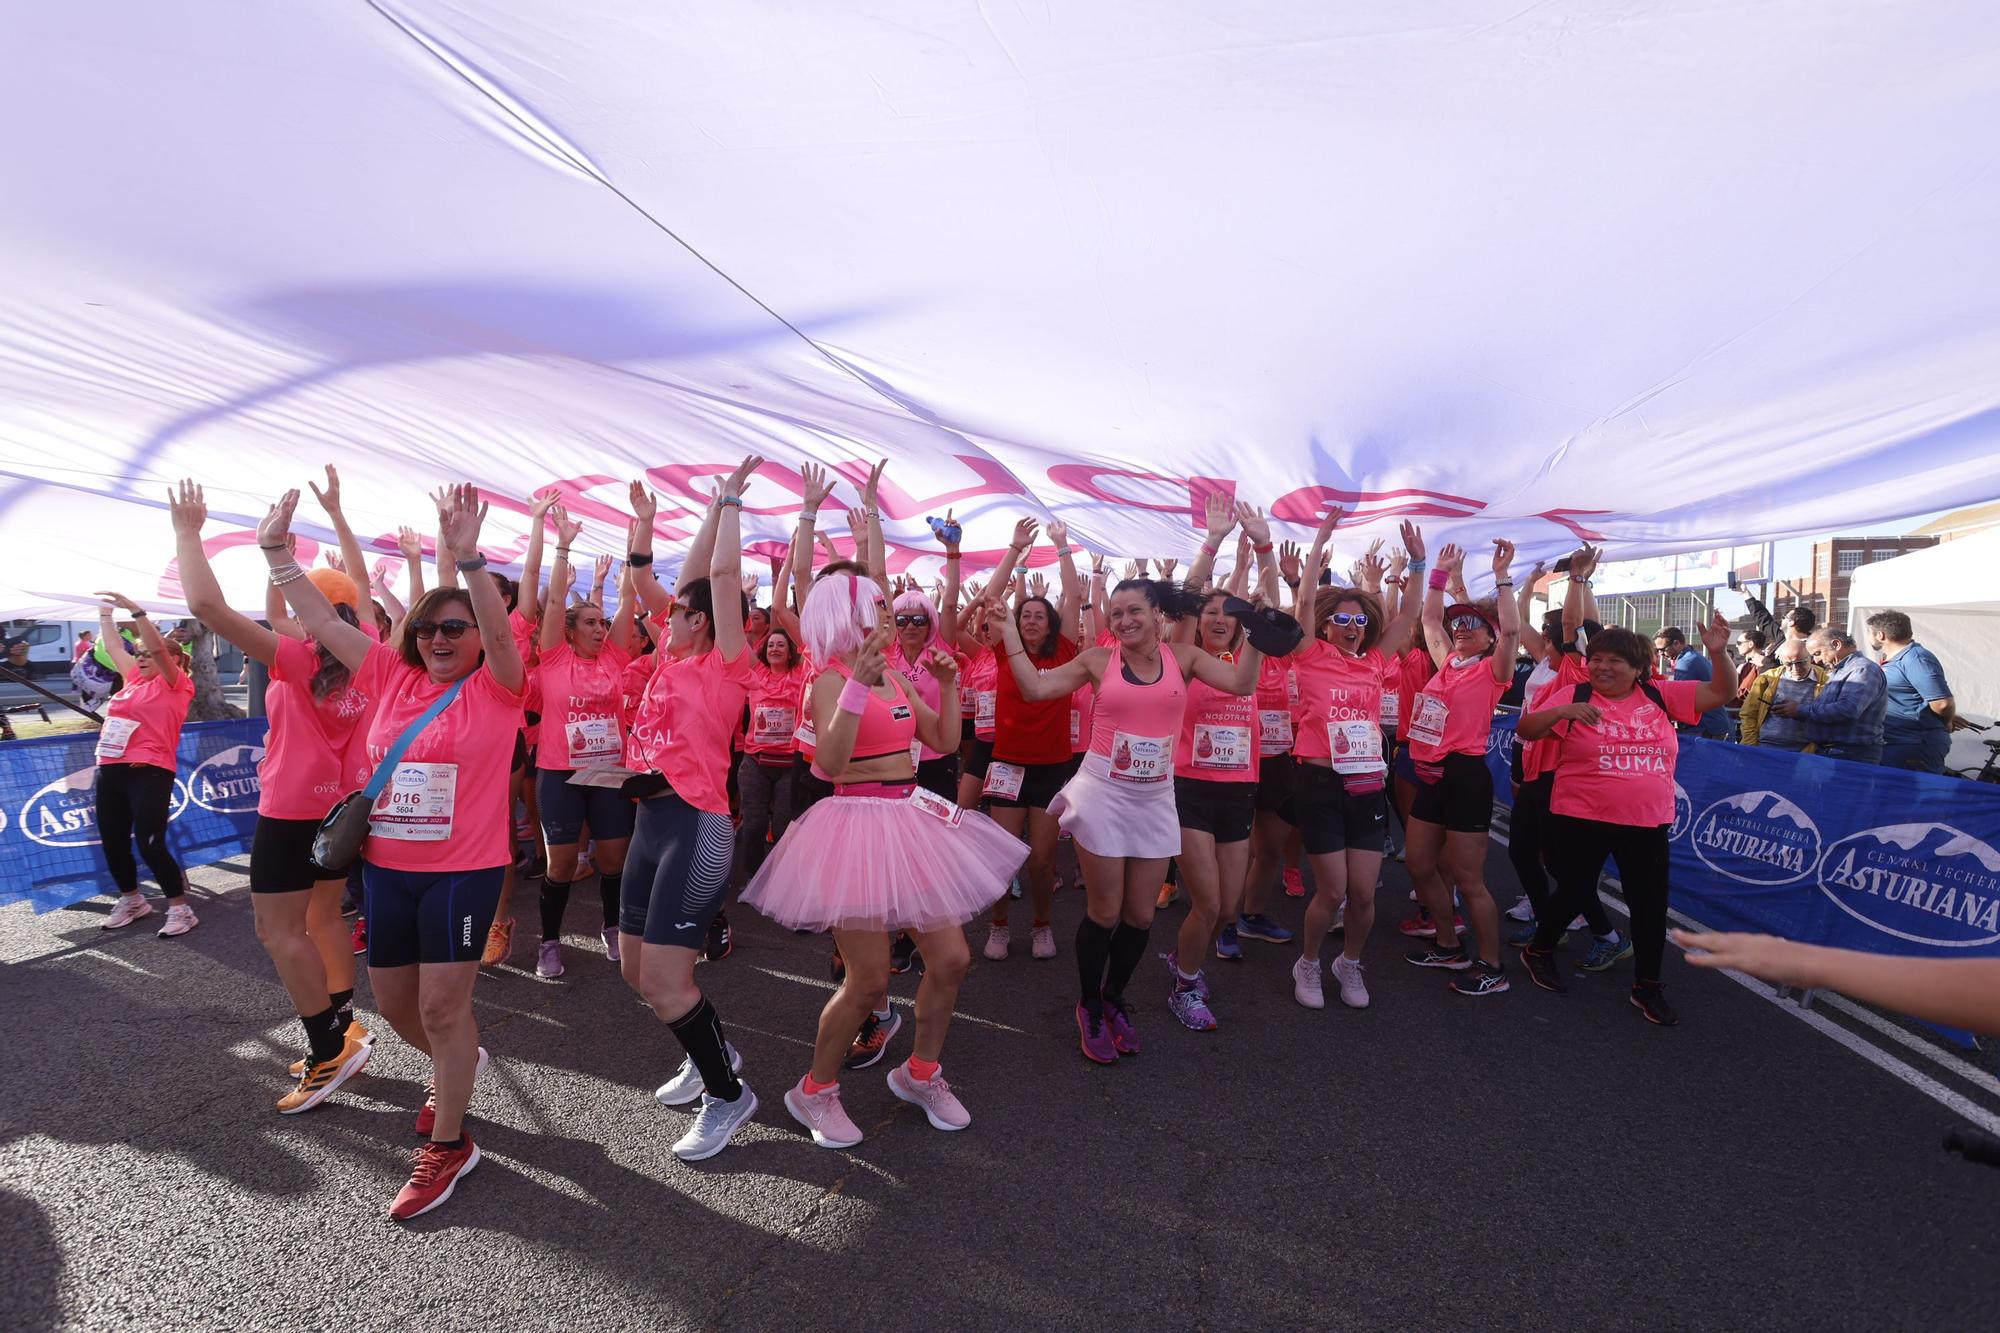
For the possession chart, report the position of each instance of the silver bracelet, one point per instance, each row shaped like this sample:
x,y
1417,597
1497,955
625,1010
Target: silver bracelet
x,y
287,573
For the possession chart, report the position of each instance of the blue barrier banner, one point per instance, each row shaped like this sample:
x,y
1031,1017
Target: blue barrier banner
x,y
49,852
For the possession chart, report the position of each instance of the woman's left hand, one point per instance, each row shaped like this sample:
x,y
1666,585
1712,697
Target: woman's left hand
x,y
869,662
943,667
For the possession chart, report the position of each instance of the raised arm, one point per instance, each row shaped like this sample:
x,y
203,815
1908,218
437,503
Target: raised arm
x,y
639,561
1221,521
818,489
529,599
1578,604
411,543
954,568
1257,535
1408,566
275,611
1316,561
725,574
1508,645
1238,677
198,584
1532,639
549,633
1072,586
1450,560
1719,690
353,559
1239,573
878,551
121,657
623,635
462,520
447,571
316,615
390,602
1025,532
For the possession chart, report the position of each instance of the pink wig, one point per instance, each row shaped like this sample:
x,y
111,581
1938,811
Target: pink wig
x,y
839,613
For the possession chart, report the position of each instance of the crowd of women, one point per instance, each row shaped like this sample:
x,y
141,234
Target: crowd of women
x,y
883,762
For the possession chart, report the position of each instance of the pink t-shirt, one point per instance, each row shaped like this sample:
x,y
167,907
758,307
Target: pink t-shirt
x,y
633,690
524,634
1535,755
1454,713
142,723
1276,727
1337,693
686,723
982,689
1218,740
774,713
1413,668
1620,769
445,807
317,751
581,707
924,684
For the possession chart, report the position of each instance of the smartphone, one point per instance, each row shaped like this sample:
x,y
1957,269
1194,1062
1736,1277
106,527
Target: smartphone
x,y
1562,565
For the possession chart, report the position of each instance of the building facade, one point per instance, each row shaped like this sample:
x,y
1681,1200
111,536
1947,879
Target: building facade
x,y
1834,561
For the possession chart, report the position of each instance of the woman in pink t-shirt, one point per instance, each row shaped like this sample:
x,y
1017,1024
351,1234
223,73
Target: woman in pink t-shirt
x,y
1448,724
1613,797
580,677
764,774
440,836
314,756
136,755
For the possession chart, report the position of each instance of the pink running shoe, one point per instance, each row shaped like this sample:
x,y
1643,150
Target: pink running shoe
x,y
933,1094
130,907
1295,883
822,1113
1095,1036
1192,1009
1173,957
1124,1032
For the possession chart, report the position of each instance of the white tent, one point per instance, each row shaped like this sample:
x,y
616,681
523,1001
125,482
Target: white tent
x,y
1952,598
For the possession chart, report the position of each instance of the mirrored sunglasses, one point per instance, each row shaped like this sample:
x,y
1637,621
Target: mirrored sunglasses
x,y
1349,617
918,621
1459,624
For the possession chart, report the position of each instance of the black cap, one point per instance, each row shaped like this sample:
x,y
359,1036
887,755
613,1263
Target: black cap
x,y
1270,631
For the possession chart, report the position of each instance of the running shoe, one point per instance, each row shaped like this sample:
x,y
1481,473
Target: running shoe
x,y
1295,883
1391,849
998,941
1044,942
1481,978
822,1113
1651,1000
1172,959
611,949
180,920
1418,926
718,945
1056,887
873,1040
130,907
434,1174
1456,959
1124,1032
1579,923
358,940
1095,1036
1168,892
1353,991
1606,953
1339,926
940,1105
350,902
713,1124
318,1080
901,949
427,1113
1226,945
1257,926
1522,935
1191,1008
1522,910
548,960
499,943
686,1084
1543,969
1306,987
584,869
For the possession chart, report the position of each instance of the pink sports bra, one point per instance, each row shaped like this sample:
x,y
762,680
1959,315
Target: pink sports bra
x,y
1152,711
887,726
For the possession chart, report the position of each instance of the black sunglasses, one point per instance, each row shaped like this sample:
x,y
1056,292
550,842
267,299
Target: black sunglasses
x,y
913,622
451,629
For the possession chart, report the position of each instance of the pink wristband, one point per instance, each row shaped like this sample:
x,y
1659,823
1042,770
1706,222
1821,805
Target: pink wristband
x,y
1439,579
854,696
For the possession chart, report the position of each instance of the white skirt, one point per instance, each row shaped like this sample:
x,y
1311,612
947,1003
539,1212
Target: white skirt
x,y
1108,817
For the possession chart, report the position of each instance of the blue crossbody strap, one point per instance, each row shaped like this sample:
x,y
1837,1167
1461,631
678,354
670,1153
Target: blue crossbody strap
x,y
395,752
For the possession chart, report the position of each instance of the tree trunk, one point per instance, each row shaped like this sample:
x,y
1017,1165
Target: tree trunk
x,y
210,704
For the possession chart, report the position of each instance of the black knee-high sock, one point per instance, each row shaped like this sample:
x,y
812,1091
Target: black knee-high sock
x,y
1128,948
699,1030
610,887
1093,956
555,901
343,1004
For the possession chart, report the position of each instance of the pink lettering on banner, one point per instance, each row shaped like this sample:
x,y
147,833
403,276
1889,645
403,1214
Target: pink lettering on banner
x,y
1308,504
170,576
993,480
1560,517
1083,479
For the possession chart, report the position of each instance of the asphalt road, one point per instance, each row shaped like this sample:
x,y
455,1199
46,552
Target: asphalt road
x,y
1527,1161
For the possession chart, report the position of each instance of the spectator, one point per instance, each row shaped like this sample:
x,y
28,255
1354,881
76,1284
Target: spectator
x,y
1799,621
1919,720
1753,657
1845,721
1794,679
84,643
1680,662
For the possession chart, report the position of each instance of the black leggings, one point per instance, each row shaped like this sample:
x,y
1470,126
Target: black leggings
x,y
1578,849
135,799
1527,844
764,795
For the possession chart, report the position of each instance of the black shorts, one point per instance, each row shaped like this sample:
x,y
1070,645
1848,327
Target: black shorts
x,y
1223,810
567,809
1333,819
977,761
429,916
1461,799
521,755
281,856
1276,781
940,776
676,872
808,787
1039,784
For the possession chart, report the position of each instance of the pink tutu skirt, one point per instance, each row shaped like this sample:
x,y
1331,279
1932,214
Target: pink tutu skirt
x,y
875,863
1107,817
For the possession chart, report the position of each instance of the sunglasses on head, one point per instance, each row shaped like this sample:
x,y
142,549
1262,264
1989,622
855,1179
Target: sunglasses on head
x,y
1349,617
451,629
917,621
1459,624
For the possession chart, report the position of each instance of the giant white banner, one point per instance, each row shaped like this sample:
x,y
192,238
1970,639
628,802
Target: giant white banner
x,y
1668,276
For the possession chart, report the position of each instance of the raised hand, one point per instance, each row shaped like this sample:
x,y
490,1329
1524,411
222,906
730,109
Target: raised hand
x,y
950,522
857,522
410,543
603,572
1037,586
1059,532
277,524
460,523
1413,540
645,506
1451,558
329,499
869,662
1503,557
1221,518
1288,561
818,483
539,506
1167,568
567,529
741,476
1583,560
874,484
1025,532
122,602
1368,569
1329,523
1715,634
333,561
189,508
1399,560
750,582
1255,526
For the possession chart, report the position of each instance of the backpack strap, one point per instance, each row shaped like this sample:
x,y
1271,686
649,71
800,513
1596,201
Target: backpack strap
x,y
1582,695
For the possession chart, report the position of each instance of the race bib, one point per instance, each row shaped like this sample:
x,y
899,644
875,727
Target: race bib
x,y
1004,780
1274,730
1392,707
1141,758
417,804
1292,688
117,734
1427,726
1221,747
936,806
982,709
805,735
916,751
1356,746
773,724
593,738
1075,730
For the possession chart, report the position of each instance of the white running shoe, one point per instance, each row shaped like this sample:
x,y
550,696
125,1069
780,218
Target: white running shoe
x,y
713,1124
130,907
686,1084
1347,971
822,1113
180,920
1306,988
998,940
1044,942
933,1094
1522,910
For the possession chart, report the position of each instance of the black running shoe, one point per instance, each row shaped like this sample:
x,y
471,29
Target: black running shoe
x,y
1457,959
900,951
717,946
1480,979
1542,969
1652,1002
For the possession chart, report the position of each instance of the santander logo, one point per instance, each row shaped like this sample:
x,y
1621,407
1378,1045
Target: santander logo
x,y
1926,883
1757,837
